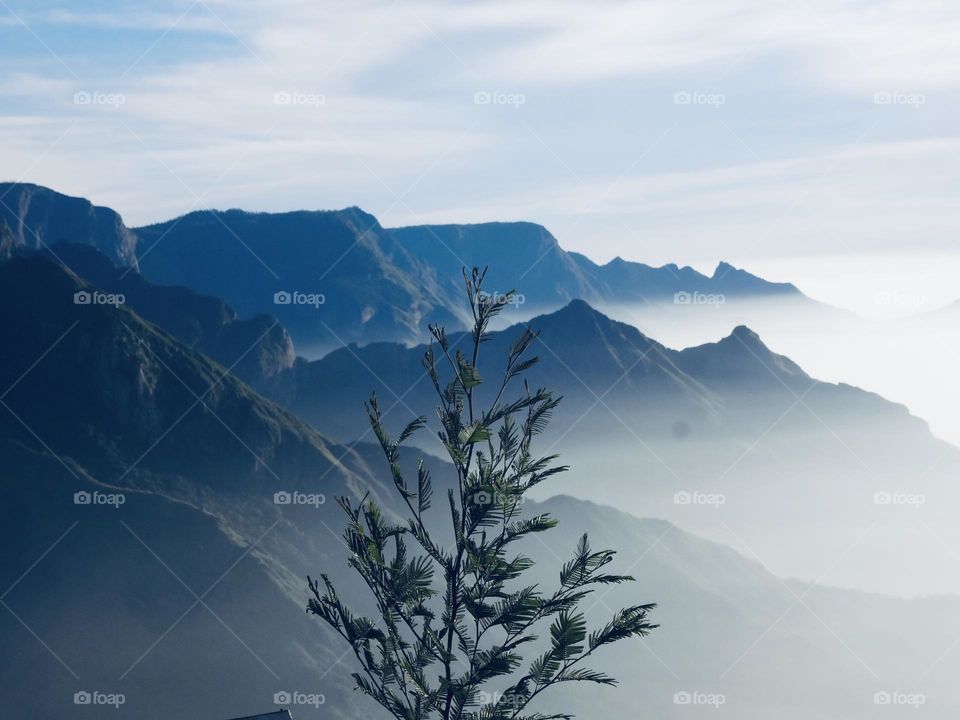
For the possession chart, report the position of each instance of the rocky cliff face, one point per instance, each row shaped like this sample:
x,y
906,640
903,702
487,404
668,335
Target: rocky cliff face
x,y
7,241
254,349
38,217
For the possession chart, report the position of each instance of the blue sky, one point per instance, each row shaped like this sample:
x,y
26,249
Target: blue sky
x,y
755,131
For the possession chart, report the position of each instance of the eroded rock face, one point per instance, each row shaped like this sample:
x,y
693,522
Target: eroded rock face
x,y
7,241
37,217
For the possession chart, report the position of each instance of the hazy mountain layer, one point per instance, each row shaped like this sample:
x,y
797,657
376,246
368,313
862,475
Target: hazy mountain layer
x,y
115,601
728,435
527,257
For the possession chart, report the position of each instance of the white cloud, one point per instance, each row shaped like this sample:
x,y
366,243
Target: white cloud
x,y
189,18
397,81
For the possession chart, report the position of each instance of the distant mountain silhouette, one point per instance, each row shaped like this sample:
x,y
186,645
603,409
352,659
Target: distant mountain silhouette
x,y
526,257
586,354
38,217
371,286
521,256
388,284
342,277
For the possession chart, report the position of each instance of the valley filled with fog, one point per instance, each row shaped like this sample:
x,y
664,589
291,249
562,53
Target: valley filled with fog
x,y
909,359
890,518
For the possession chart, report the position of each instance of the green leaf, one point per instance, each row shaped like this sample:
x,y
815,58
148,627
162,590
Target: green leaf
x,y
424,487
474,433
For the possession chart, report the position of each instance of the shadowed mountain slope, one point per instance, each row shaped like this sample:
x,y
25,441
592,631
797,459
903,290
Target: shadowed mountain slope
x,y
254,349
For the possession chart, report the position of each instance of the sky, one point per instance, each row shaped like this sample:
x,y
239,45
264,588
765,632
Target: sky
x,y
811,140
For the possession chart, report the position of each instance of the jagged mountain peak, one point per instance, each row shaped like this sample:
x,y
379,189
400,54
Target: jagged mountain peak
x,y
729,278
723,267
741,356
747,336
579,319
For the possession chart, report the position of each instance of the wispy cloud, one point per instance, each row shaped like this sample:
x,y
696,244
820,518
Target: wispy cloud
x,y
127,19
549,111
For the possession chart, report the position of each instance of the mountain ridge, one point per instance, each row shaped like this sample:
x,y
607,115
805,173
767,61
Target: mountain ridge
x,y
376,283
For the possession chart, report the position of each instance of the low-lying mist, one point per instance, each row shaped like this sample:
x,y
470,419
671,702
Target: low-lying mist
x,y
909,360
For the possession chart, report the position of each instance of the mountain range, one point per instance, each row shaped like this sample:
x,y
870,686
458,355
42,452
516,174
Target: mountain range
x,y
722,387
334,277
155,430
525,256
728,417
